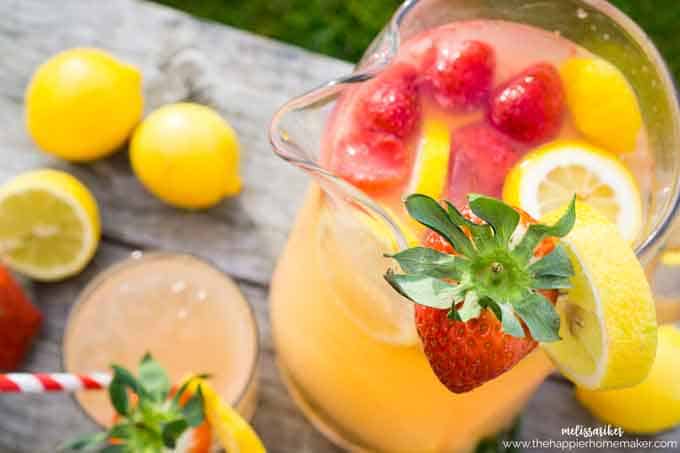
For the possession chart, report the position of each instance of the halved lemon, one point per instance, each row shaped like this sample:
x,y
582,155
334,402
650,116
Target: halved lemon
x,y
550,176
608,320
49,225
432,161
233,432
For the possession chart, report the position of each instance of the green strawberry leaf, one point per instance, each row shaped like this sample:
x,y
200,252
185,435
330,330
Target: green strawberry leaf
x,y
430,213
85,442
427,261
540,317
153,378
171,431
511,324
502,218
481,234
536,233
425,290
118,393
555,264
118,448
193,410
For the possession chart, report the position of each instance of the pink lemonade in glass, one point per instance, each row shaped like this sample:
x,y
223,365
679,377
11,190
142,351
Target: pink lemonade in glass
x,y
489,92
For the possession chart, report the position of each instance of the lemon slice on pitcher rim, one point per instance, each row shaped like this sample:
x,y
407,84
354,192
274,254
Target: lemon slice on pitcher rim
x,y
49,225
548,178
608,324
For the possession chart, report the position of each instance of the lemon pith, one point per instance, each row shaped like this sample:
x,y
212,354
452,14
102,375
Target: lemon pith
x,y
548,177
49,224
432,161
651,406
82,104
608,326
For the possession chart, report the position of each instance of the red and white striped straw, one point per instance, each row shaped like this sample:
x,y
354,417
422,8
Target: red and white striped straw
x,y
52,382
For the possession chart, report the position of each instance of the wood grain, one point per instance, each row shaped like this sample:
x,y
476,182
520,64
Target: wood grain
x,y
244,77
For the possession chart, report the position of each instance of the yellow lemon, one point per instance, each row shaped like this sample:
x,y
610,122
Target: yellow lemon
x,y
49,224
602,102
653,405
608,321
82,104
233,432
187,155
550,176
432,161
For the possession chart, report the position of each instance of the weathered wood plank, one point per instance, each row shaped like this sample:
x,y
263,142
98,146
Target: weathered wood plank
x,y
243,76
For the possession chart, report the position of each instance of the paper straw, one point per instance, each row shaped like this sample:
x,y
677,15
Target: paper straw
x,y
52,382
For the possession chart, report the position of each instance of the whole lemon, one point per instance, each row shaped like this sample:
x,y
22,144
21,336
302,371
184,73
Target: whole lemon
x,y
649,407
186,155
82,104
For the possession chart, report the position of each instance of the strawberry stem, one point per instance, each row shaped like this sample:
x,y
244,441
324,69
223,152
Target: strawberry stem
x,y
490,270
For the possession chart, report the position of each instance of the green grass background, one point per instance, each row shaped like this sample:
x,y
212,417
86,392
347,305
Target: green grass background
x,y
343,28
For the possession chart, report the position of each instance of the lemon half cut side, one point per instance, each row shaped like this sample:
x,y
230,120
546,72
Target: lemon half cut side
x,y
49,225
547,178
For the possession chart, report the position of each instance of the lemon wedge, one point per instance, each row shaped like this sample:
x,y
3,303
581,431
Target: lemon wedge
x,y
651,406
602,103
608,320
233,432
548,178
49,224
432,161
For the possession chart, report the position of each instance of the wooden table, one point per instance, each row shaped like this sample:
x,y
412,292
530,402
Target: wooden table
x,y
245,77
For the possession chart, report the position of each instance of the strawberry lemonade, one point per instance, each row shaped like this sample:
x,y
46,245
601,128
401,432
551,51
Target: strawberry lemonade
x,y
488,107
179,308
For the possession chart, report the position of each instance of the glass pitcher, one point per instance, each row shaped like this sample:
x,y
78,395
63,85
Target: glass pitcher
x,y
346,343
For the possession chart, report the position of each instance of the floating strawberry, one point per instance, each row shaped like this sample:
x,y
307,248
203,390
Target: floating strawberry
x,y
484,308
530,106
372,161
392,104
481,157
459,77
19,322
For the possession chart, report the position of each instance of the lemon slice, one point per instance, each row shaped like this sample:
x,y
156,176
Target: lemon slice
x,y
650,407
233,432
608,320
432,161
49,224
548,178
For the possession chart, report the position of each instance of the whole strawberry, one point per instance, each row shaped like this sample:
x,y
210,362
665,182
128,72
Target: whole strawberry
x,y
391,105
530,106
485,294
19,322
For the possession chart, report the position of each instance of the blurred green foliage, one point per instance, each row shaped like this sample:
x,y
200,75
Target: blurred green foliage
x,y
343,28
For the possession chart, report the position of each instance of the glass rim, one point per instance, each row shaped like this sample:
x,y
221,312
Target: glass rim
x,y
288,150
136,257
